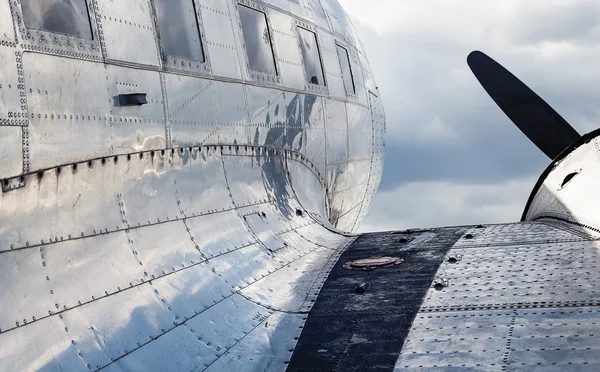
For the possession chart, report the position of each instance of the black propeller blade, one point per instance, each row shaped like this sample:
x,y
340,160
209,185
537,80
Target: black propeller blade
x,y
534,117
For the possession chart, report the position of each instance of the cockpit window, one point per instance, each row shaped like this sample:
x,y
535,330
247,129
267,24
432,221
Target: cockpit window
x,y
178,29
311,56
69,17
346,70
258,40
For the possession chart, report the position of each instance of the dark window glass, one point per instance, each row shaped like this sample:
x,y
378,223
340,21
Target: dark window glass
x,y
258,40
346,70
178,29
68,17
312,59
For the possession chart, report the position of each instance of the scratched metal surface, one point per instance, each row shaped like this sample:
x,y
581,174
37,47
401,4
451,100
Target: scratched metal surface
x,y
189,233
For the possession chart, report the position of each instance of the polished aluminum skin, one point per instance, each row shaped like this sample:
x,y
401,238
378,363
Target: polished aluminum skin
x,y
192,232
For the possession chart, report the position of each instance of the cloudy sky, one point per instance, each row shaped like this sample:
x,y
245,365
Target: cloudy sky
x,y
452,157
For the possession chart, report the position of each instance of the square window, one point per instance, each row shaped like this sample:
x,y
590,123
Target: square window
x,y
311,57
179,33
69,17
258,40
346,69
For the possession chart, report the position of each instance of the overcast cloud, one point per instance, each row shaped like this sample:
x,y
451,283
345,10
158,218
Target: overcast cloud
x,y
452,157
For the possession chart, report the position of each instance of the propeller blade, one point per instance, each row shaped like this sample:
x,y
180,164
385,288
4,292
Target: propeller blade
x,y
534,117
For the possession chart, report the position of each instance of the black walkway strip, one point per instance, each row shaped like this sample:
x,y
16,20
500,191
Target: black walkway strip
x,y
348,331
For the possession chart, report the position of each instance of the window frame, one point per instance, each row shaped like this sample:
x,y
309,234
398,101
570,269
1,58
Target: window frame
x,y
183,64
253,75
339,44
49,42
322,89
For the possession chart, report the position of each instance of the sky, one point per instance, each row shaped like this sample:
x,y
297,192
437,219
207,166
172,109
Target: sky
x,y
452,157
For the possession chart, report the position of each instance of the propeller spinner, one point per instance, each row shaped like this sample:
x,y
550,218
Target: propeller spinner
x,y
534,117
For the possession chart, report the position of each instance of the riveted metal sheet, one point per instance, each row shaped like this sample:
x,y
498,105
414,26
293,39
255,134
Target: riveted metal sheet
x,y
221,44
46,339
11,151
359,83
192,57
231,109
125,24
359,132
245,179
348,218
265,348
313,120
13,104
331,66
516,233
147,233
266,115
139,128
302,9
192,111
191,342
42,41
263,231
191,290
288,53
149,196
336,128
281,4
319,16
115,325
560,195
218,233
514,276
322,237
476,340
243,266
225,324
370,83
200,182
543,339
312,58
348,187
26,288
336,15
69,210
555,339
7,28
269,76
286,218
79,271
162,248
59,119
177,350
307,188
286,289
377,146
